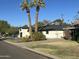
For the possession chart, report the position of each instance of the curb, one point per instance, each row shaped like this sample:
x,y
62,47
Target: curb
x,y
34,51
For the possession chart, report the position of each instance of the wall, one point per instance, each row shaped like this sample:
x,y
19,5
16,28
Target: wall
x,y
50,35
24,32
54,34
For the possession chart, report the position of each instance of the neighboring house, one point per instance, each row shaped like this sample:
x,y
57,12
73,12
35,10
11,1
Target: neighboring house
x,y
72,32
50,31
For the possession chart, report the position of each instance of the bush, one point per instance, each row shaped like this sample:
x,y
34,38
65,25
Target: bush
x,y
24,39
37,36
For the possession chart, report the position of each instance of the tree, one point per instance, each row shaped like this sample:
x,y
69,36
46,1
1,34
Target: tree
x,y
25,26
4,26
59,21
12,31
76,22
45,22
37,4
40,24
26,6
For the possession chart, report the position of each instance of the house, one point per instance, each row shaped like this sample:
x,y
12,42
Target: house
x,y
51,31
23,32
72,32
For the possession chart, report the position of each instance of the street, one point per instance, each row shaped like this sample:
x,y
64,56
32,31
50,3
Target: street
x,y
8,51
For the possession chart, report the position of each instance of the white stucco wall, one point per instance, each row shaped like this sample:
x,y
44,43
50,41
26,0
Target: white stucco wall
x,y
54,34
50,35
24,32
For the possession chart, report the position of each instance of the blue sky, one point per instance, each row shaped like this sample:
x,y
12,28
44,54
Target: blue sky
x,y
10,11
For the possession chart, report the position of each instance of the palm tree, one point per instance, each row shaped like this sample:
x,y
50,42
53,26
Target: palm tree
x,y
37,4
26,6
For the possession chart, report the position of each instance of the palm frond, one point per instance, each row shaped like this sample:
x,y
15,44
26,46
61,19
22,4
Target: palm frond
x,y
22,6
43,4
35,2
27,2
32,4
25,5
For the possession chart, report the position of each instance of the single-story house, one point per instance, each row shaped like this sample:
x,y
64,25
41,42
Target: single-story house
x,y
72,32
50,31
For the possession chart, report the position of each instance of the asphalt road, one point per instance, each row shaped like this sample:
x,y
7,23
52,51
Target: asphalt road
x,y
8,51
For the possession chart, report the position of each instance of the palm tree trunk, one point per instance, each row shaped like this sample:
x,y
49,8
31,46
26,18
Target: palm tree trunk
x,y
29,21
36,22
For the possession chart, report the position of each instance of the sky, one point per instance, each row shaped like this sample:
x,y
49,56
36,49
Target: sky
x,y
11,11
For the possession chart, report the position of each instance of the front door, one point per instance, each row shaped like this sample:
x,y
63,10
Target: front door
x,y
21,34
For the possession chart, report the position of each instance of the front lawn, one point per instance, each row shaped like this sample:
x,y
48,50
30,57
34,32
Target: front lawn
x,y
63,49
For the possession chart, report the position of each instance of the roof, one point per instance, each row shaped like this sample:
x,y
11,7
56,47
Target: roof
x,y
69,28
51,27
24,27
54,26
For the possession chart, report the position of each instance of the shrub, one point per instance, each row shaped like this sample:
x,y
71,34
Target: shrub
x,y
24,39
37,36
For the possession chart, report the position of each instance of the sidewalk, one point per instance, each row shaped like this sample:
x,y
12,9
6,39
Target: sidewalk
x,y
25,46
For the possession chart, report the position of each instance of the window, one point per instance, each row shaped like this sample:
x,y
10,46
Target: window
x,y
47,32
